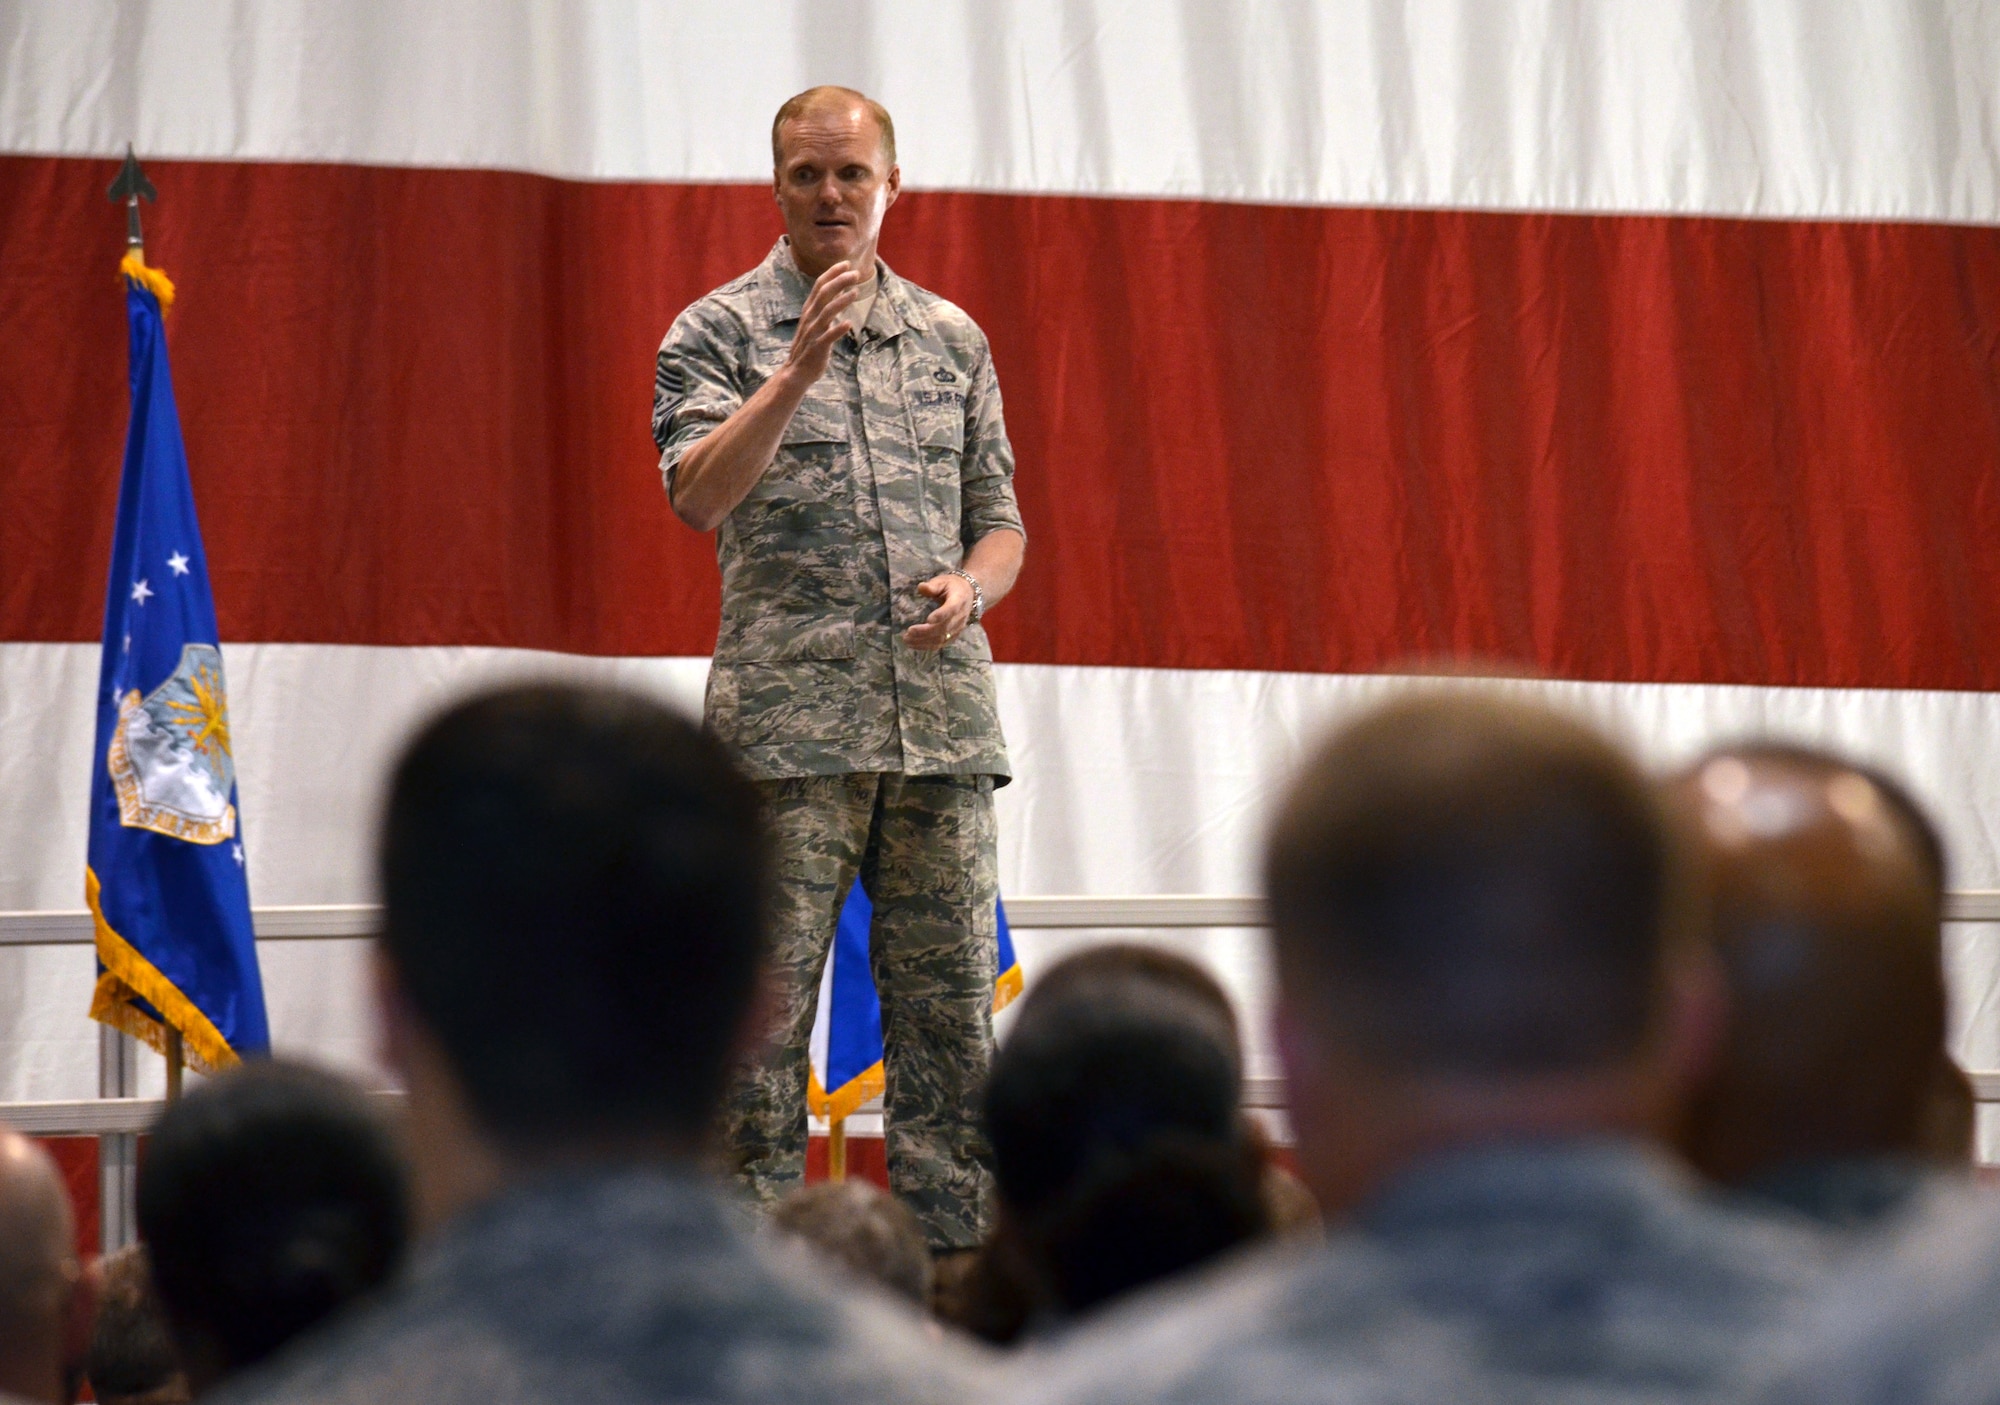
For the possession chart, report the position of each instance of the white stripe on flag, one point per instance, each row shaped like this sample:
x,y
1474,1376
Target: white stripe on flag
x,y
1834,109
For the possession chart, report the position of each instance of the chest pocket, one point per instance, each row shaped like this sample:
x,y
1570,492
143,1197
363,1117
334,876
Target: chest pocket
x,y
805,493
820,419
814,444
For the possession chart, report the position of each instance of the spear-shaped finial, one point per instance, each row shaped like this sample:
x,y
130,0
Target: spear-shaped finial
x,y
129,186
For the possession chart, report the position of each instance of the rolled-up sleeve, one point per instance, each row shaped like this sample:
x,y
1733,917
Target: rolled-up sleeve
x,y
694,385
986,481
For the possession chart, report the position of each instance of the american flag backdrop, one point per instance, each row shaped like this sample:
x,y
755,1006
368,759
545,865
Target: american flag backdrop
x,y
1648,354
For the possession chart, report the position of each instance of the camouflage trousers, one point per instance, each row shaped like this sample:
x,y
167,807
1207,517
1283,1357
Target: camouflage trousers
x,y
924,848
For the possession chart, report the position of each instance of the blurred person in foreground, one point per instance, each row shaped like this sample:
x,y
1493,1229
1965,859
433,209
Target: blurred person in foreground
x,y
133,1360
1915,1321
1121,1153
46,1296
1832,1096
270,1199
1490,1018
574,887
866,1231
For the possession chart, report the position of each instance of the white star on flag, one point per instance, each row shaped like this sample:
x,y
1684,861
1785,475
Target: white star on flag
x,y
140,592
178,564
236,853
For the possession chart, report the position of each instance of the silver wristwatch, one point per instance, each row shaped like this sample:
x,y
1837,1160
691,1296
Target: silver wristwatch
x,y
978,592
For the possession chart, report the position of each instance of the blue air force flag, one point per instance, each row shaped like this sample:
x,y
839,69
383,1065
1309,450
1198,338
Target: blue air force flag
x,y
166,880
847,1033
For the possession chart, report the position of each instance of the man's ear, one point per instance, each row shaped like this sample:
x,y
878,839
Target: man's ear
x,y
1295,1053
394,1019
1345,1130
894,185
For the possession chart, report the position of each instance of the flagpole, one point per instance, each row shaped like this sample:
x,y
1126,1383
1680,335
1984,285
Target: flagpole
x,y
176,1064
836,1148
131,186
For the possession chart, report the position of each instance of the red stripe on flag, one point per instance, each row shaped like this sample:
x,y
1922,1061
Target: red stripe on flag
x,y
1633,448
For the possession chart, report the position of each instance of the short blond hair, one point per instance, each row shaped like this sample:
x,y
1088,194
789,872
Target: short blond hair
x,y
830,95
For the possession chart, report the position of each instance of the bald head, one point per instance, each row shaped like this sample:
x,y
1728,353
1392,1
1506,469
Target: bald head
x,y
39,1271
1826,886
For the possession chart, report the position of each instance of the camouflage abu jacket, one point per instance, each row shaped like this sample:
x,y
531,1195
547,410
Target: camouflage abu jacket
x,y
617,1286
894,465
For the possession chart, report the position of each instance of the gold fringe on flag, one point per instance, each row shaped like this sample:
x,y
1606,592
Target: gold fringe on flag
x,y
128,975
133,266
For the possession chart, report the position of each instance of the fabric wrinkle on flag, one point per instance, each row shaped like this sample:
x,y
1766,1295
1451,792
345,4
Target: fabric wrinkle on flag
x,y
167,876
847,1037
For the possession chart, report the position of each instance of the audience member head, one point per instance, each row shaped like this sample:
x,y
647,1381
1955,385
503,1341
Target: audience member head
x,y
132,1359
1134,963
1476,915
1825,887
573,885
45,1296
269,1198
1287,1201
865,1230
1120,1152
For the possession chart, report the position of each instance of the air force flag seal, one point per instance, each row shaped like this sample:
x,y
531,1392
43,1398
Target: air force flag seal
x,y
167,881
169,755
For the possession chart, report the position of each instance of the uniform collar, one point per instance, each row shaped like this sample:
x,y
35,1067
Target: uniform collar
x,y
782,291
1561,1178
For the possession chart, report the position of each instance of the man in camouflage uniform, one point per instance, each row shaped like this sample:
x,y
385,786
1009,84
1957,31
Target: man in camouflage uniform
x,y
840,430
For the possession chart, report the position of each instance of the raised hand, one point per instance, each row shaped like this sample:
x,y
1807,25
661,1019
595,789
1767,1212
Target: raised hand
x,y
821,324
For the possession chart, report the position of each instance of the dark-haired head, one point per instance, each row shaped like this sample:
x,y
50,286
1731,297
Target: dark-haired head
x,y
573,886
268,1200
1119,1147
1477,910
1134,965
1467,883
